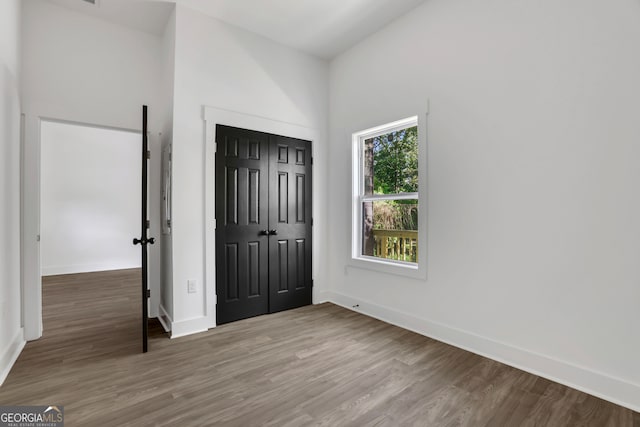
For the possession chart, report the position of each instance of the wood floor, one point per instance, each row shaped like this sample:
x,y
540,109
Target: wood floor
x,y
318,365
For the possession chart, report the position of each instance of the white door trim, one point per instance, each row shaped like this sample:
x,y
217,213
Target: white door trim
x,y
212,117
30,214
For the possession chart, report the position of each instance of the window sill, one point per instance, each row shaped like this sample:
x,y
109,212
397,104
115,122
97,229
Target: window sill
x,y
410,270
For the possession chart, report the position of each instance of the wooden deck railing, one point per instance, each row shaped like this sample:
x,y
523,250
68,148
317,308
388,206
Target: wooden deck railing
x,y
400,245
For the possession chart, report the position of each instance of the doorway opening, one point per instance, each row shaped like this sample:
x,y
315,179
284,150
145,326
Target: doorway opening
x,y
90,211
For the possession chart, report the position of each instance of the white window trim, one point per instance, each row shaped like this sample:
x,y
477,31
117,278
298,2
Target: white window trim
x,y
415,270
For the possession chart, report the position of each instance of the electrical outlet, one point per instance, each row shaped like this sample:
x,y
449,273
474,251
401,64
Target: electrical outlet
x,y
191,286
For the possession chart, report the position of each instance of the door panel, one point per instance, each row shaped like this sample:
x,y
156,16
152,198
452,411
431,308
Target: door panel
x,y
290,216
143,241
263,211
242,212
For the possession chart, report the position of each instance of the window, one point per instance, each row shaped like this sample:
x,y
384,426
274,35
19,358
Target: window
x,y
386,194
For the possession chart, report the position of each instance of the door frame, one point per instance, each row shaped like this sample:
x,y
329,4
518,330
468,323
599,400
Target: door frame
x,y
31,268
216,116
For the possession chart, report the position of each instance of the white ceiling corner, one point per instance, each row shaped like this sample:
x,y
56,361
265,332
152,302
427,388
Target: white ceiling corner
x,y
148,16
323,28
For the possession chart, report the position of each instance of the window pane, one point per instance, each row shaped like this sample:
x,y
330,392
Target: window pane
x,y
390,229
391,163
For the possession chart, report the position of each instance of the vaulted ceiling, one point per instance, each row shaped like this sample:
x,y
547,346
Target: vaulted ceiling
x,y
323,28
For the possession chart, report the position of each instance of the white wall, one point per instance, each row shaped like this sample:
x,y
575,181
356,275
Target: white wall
x,y
533,235
87,70
222,66
90,204
168,75
11,336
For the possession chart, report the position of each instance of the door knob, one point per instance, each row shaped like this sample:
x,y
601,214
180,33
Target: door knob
x,y
149,241
273,232
264,232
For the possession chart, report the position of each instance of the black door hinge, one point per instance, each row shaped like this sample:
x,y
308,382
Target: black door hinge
x,y
148,293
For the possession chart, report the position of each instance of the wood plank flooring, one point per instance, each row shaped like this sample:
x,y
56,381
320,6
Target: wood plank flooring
x,y
318,366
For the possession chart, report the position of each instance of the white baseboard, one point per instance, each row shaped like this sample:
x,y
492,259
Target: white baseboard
x,y
164,318
189,326
85,268
615,390
9,357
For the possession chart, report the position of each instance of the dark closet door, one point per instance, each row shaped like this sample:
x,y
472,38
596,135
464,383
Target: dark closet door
x,y
263,215
242,173
290,284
